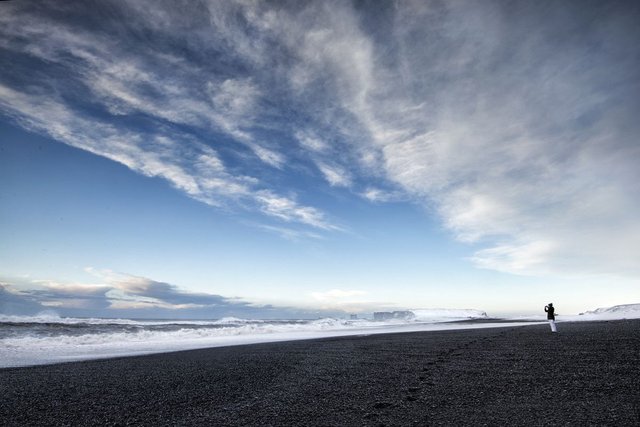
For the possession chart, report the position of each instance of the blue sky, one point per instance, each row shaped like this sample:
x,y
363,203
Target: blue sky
x,y
298,159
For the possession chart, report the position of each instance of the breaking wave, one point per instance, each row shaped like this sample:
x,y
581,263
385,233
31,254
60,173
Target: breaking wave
x,y
49,338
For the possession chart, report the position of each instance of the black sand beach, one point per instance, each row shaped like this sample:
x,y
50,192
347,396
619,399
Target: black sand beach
x,y
588,374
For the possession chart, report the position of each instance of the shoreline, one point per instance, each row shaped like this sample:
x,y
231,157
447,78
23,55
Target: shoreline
x,y
586,374
21,357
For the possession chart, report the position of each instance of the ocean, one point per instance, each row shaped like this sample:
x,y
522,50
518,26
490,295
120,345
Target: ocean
x,y
49,338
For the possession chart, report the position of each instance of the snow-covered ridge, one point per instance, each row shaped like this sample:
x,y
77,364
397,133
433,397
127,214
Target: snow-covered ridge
x,y
625,311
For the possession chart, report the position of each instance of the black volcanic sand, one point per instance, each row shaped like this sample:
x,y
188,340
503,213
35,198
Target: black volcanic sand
x,y
588,374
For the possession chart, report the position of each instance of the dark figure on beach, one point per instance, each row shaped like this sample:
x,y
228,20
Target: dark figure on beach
x,y
550,310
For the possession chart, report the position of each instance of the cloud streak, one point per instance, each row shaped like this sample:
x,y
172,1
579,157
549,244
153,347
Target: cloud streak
x,y
124,86
514,122
520,138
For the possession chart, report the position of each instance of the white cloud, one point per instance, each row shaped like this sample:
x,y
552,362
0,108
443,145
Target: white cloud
x,y
73,288
145,305
129,291
378,195
529,258
236,97
126,84
523,148
125,294
523,139
187,164
165,87
167,156
311,142
289,210
335,175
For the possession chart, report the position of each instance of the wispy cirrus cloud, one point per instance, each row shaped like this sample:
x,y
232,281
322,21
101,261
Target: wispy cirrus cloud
x,y
187,164
336,176
377,195
125,85
514,122
142,83
517,137
290,211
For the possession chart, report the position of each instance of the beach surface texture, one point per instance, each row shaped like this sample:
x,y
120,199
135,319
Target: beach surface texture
x,y
587,374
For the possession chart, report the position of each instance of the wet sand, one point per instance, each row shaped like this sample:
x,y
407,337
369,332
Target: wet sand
x,y
587,374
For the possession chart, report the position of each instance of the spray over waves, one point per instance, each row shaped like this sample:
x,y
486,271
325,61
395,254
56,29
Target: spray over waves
x,y
49,338
50,317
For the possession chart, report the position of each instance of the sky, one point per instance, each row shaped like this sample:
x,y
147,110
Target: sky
x,y
281,159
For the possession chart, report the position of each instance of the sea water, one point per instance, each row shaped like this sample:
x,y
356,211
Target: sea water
x,y
49,338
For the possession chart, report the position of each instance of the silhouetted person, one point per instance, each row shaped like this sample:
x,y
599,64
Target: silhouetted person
x,y
551,316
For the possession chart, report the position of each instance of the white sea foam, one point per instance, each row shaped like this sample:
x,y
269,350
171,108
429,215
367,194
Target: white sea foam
x,y
29,350
49,317
48,338
420,315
